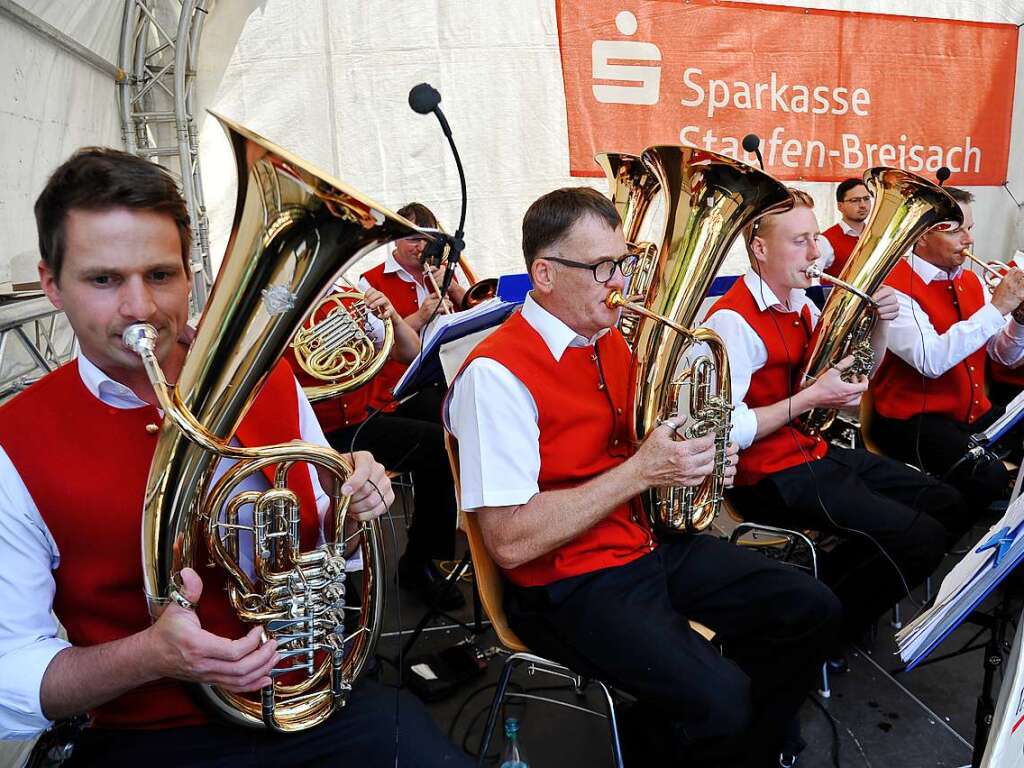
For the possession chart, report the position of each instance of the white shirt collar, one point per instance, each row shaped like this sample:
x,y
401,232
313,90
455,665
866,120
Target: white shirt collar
x,y
391,266
848,229
556,334
764,297
105,389
928,272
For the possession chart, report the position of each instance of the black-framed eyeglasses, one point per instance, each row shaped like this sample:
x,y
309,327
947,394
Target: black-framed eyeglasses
x,y
603,270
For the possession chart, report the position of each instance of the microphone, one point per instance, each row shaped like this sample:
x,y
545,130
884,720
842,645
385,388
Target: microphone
x,y
942,175
425,99
752,143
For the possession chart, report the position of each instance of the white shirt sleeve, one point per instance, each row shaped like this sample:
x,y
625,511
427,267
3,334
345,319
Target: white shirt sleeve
x,y
913,338
826,253
28,628
374,325
1007,346
747,354
488,403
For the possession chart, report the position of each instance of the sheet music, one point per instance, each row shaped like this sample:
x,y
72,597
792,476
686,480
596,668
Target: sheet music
x,y
965,586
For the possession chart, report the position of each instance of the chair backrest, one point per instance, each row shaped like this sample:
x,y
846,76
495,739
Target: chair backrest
x,y
490,583
866,415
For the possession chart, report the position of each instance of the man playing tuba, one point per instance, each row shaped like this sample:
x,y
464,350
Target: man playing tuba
x,y
114,237
793,480
540,411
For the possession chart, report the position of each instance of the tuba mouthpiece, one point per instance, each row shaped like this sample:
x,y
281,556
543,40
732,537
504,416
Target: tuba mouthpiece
x,y
139,337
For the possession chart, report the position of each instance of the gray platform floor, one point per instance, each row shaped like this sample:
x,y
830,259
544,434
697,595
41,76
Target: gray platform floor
x,y
920,719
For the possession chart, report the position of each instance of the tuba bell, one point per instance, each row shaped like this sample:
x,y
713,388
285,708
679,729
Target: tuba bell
x,y
709,198
295,230
906,206
633,188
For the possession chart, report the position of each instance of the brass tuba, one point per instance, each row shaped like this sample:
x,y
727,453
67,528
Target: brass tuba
x,y
295,230
906,206
633,188
709,198
337,350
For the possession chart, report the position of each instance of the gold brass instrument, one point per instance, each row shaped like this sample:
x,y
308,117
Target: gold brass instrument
x,y
906,206
709,198
337,349
479,290
295,230
633,187
995,271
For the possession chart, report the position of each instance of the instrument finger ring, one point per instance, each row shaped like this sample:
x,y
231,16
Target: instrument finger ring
x,y
182,601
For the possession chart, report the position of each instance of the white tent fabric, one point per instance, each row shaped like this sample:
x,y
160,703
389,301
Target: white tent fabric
x,y
329,81
53,103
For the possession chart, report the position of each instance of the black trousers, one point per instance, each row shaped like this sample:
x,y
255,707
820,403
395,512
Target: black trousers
x,y
936,443
362,735
628,625
412,439
856,495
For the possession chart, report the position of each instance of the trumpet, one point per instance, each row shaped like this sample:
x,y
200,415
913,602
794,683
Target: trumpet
x,y
995,271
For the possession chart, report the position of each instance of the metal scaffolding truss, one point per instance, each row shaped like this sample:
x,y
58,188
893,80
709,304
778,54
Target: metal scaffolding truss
x,y
159,46
42,342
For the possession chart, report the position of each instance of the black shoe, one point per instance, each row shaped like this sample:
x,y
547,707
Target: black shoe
x,y
423,578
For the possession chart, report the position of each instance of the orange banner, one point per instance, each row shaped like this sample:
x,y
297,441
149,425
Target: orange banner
x,y
830,93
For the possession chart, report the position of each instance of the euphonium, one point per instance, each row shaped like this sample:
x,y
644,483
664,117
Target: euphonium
x,y
295,230
709,198
633,187
906,206
337,349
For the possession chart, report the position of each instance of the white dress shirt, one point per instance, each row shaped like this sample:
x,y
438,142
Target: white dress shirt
x,y
488,401
28,553
747,352
913,338
825,249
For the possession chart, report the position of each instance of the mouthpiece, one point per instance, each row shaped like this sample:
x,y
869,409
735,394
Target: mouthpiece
x,y
139,337
814,271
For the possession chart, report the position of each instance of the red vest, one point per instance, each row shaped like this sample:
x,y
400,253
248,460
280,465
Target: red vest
x,y
787,336
842,246
584,431
85,464
899,390
335,413
402,296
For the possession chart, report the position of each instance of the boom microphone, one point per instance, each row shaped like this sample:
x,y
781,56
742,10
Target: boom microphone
x,y
425,99
752,143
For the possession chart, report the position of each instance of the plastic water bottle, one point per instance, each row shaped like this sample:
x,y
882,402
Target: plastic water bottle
x,y
512,756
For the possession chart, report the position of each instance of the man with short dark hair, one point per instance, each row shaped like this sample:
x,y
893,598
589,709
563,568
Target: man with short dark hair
x,y
76,452
930,392
838,241
541,414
